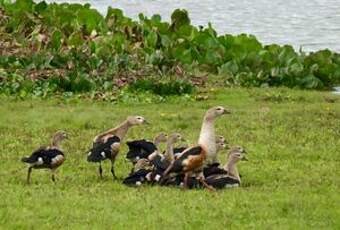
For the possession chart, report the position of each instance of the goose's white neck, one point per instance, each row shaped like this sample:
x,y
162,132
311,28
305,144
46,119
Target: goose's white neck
x,y
207,136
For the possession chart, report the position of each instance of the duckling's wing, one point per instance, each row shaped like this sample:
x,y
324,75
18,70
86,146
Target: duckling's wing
x,y
137,177
139,149
102,151
178,180
53,157
45,157
213,169
34,157
222,181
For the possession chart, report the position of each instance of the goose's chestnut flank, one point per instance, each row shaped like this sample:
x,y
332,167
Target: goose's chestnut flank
x,y
177,180
193,158
50,157
140,149
107,144
215,176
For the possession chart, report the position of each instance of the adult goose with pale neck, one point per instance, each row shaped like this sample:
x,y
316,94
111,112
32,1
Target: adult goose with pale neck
x,y
107,144
215,176
177,180
47,157
140,149
193,158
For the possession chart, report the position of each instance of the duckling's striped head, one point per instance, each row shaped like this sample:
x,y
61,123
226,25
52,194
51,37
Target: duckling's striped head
x,y
136,120
220,139
173,138
220,146
59,136
162,137
237,153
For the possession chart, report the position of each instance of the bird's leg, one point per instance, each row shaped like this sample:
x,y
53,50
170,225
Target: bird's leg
x,y
186,178
53,175
202,180
112,168
100,170
29,175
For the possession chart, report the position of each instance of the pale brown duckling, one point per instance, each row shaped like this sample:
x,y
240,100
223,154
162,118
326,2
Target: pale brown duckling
x,y
50,157
230,177
107,145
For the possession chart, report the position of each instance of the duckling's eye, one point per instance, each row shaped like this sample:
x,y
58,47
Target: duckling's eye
x,y
218,108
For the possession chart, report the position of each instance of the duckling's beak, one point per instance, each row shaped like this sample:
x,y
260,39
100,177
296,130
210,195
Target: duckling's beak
x,y
244,158
146,122
226,111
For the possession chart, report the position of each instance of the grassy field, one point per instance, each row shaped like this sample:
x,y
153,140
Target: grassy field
x,y
292,180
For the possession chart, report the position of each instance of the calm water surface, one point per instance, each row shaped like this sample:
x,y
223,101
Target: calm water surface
x,y
310,24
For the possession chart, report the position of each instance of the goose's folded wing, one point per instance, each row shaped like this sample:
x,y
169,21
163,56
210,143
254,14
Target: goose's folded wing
x,y
192,151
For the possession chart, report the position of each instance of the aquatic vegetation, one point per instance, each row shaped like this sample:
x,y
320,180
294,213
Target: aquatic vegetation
x,y
46,48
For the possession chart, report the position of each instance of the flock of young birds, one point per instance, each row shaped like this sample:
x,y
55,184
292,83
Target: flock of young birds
x,y
196,166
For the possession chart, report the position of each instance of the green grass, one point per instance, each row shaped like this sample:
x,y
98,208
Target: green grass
x,y
292,180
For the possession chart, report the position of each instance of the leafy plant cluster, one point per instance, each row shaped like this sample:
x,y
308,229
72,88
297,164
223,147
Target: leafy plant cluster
x,y
45,48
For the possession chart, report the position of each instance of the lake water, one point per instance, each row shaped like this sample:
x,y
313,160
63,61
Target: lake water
x,y
310,24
